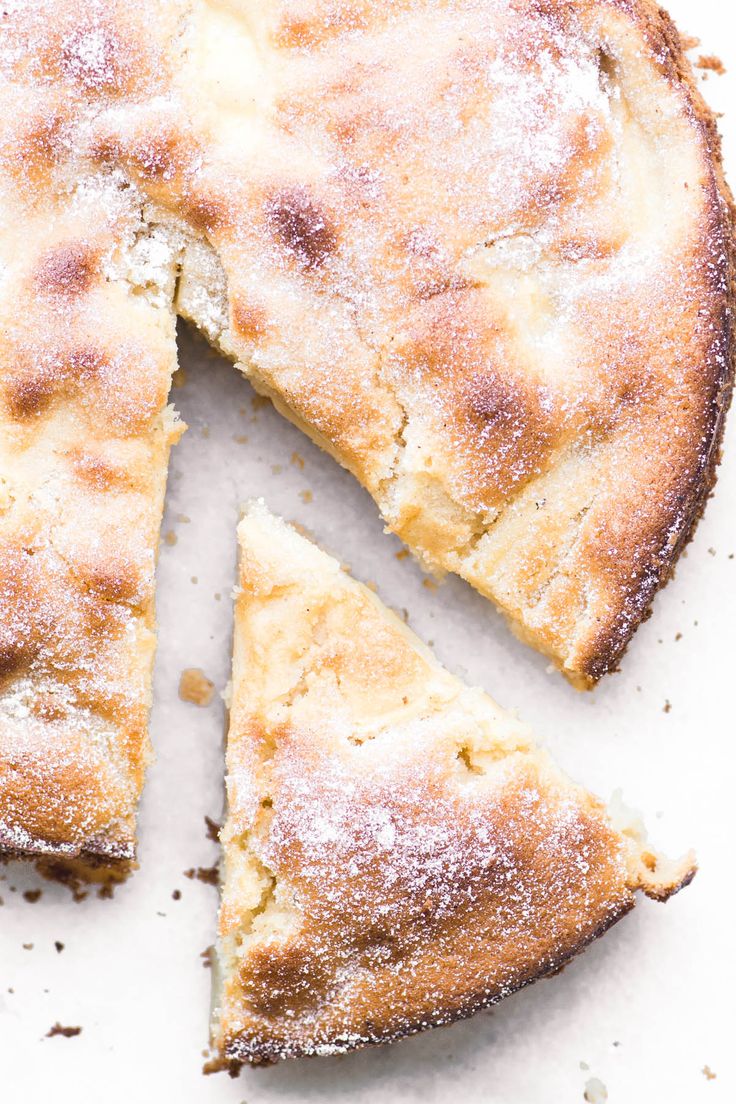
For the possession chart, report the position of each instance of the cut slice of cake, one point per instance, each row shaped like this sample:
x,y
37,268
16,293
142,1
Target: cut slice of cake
x,y
397,852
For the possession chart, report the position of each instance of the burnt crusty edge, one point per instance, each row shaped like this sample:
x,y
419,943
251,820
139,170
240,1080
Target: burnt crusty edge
x,y
244,1051
607,649
95,860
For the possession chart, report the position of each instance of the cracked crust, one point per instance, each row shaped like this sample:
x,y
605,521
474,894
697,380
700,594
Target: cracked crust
x,y
397,853
492,274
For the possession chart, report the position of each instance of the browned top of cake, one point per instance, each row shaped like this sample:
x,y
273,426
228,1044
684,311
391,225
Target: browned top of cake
x,y
481,250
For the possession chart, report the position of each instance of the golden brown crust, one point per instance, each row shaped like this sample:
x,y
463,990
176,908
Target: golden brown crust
x,y
397,853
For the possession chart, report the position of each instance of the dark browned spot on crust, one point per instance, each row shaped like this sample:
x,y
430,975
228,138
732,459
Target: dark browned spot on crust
x,y
30,392
113,582
206,213
299,32
28,396
160,157
249,321
97,473
96,59
67,270
84,363
301,228
40,145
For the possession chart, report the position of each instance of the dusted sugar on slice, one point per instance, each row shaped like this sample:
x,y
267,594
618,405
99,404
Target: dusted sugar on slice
x,y
397,852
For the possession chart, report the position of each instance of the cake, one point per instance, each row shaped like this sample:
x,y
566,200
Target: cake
x,y
397,852
481,251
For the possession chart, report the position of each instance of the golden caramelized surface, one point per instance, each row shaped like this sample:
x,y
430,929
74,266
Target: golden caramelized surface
x,y
397,853
480,250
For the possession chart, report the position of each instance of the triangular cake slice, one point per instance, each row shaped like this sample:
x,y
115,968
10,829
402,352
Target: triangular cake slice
x,y
397,852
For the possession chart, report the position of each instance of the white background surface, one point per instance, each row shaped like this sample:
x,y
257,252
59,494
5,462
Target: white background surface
x,y
643,1011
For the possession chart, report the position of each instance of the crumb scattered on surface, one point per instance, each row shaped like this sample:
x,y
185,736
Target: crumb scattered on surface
x,y
67,1032
210,875
430,584
402,553
27,946
711,551
689,42
595,1091
170,537
212,829
218,596
206,957
176,895
298,460
240,439
195,687
194,579
708,1073
306,496
59,946
678,636
32,895
667,707
183,518
712,64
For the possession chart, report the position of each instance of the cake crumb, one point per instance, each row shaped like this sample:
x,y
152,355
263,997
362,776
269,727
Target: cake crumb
x,y
708,1073
176,895
306,496
689,42
212,829
195,687
27,946
206,957
67,1032
240,439
210,875
298,460
59,946
712,64
402,553
170,538
429,584
595,1091
667,707
32,895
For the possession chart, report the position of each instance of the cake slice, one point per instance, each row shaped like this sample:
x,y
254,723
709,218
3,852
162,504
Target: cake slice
x,y
397,852
87,353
